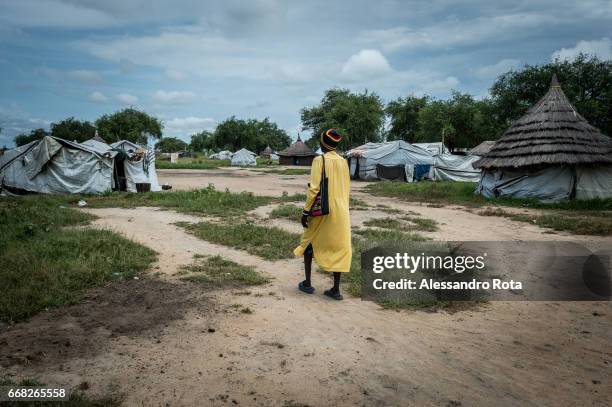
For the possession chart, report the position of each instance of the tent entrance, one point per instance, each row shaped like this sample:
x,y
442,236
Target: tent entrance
x,y
119,177
391,172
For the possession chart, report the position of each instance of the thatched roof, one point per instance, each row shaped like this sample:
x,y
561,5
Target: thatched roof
x,y
550,133
482,148
297,149
266,152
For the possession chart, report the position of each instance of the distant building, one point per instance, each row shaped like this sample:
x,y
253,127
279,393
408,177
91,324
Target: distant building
x,y
297,154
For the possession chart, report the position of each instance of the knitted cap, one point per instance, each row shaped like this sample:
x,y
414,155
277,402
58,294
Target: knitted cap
x,y
330,139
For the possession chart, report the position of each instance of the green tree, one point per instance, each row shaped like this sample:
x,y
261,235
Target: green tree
x,y
73,130
458,120
170,145
234,134
129,124
34,135
586,81
358,117
403,114
201,141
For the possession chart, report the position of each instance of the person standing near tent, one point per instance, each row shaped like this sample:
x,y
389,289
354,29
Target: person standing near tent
x,y
327,238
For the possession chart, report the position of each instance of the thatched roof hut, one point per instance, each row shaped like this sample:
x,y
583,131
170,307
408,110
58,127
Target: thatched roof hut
x,y
482,148
297,154
551,153
266,152
551,132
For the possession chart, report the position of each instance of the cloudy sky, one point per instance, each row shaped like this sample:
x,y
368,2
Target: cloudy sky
x,y
193,63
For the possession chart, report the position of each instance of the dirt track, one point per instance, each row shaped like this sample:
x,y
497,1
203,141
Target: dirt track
x,y
305,349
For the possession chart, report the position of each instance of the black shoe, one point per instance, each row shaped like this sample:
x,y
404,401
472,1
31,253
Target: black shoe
x,y
333,294
307,290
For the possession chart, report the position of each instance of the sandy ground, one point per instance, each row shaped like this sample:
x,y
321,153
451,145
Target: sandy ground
x,y
297,349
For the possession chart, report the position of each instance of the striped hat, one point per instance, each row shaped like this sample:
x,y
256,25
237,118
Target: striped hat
x,y
330,139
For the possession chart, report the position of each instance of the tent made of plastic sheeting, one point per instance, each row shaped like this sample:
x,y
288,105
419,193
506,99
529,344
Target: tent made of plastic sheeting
x,y
550,184
56,166
448,167
136,166
363,160
434,148
243,158
222,155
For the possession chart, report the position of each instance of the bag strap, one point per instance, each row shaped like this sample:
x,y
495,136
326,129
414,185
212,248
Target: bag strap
x,y
323,156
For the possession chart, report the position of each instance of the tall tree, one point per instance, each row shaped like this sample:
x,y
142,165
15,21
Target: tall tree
x,y
73,130
359,117
170,145
403,115
234,134
35,134
201,141
587,82
129,124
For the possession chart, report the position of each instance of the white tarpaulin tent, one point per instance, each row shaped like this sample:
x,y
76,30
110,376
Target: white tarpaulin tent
x,y
434,148
448,167
222,155
243,158
56,166
371,160
549,184
139,165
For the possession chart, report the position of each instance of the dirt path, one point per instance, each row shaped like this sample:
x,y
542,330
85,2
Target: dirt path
x,y
304,349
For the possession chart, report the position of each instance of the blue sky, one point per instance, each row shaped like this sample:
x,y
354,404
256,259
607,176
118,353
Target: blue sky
x,y
194,63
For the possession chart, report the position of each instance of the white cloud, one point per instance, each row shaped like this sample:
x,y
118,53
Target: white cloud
x,y
491,71
127,99
184,126
367,63
456,32
98,97
85,75
600,48
174,97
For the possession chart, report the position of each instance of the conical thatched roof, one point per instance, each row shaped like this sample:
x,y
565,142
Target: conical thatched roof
x,y
482,148
550,133
297,149
266,152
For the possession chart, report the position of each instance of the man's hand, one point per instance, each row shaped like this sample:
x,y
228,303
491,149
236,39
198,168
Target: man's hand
x,y
304,220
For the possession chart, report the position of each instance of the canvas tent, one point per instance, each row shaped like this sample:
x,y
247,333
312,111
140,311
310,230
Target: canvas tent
x,y
448,167
222,155
390,160
434,148
243,158
138,166
57,166
551,154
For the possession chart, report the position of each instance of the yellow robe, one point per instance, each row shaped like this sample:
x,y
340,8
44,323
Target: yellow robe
x,y
330,235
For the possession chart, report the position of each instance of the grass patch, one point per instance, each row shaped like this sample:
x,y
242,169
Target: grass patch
x,y
285,171
287,211
406,223
285,197
207,201
581,223
268,242
192,164
217,271
462,193
44,264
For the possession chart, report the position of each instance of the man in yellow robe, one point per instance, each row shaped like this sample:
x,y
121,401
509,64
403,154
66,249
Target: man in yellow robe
x,y
327,238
